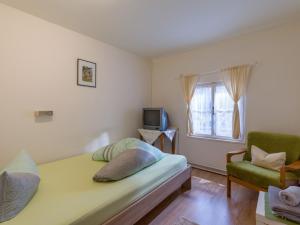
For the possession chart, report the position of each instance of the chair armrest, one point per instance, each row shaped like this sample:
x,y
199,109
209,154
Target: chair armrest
x,y
291,167
232,153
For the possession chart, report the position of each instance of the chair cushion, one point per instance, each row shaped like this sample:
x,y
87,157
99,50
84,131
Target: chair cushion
x,y
273,143
273,161
258,176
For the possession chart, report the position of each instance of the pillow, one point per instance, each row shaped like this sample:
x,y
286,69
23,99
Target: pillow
x,y
272,161
108,152
125,164
18,184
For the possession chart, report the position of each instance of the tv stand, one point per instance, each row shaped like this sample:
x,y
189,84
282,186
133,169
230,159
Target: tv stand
x,y
150,136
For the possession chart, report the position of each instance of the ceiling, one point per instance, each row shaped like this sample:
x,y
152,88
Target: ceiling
x,y
153,28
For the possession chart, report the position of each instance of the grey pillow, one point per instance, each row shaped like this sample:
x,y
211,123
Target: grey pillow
x,y
125,164
18,184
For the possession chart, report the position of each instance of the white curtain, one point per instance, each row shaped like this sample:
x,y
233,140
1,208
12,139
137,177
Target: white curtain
x,y
236,80
189,83
201,107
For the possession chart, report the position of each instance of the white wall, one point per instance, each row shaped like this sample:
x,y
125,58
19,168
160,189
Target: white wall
x,y
273,96
38,71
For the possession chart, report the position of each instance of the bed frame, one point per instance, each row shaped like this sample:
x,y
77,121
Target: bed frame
x,y
141,207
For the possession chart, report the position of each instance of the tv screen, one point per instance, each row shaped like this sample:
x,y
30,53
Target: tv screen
x,y
152,117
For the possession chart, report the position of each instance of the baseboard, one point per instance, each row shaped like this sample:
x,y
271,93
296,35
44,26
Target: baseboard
x,y
209,169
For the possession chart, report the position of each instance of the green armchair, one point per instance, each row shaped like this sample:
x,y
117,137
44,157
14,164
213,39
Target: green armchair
x,y
258,178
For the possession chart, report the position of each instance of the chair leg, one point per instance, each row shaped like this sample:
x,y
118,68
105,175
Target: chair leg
x,y
228,187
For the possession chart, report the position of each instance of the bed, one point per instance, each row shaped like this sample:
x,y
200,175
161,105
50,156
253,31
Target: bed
x,y
68,195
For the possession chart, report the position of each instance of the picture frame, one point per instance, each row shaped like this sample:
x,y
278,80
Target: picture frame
x,y
86,73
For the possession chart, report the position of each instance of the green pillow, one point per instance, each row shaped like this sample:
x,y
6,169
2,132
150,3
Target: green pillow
x,y
108,152
18,184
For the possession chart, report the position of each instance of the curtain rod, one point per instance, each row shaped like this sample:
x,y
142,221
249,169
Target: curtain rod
x,y
218,70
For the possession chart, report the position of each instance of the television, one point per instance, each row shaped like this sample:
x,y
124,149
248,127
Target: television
x,y
155,119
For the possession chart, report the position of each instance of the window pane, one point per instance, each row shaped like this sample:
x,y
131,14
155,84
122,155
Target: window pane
x,y
223,112
201,108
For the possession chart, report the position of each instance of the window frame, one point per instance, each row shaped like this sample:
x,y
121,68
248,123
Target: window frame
x,y
213,136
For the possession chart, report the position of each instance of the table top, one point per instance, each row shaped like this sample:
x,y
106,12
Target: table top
x,y
260,212
169,129
150,136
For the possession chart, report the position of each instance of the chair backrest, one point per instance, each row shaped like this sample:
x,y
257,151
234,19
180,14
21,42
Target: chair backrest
x,y
272,143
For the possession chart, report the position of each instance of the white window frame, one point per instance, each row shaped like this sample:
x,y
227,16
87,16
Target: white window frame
x,y
213,136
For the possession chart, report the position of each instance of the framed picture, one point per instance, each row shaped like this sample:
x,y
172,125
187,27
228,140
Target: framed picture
x,y
86,73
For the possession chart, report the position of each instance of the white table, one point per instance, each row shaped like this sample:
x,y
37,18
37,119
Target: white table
x,y
260,212
150,136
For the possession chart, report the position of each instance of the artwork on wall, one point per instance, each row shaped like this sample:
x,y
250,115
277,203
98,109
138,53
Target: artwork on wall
x,y
86,73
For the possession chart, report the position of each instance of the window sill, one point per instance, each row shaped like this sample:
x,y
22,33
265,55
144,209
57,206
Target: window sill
x,y
216,139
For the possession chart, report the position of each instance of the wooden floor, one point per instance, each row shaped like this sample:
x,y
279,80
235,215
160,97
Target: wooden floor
x,y
207,204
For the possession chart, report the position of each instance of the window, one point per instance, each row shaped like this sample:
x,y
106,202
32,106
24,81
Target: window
x,y
212,110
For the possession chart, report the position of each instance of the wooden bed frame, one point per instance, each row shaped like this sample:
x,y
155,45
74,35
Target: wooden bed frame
x,y
141,207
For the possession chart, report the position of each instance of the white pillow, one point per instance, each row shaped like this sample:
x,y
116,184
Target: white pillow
x,y
272,161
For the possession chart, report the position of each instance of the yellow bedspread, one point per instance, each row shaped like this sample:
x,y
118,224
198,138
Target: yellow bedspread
x,y
68,195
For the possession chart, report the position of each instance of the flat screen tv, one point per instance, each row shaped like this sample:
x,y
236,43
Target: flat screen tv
x,y
155,119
